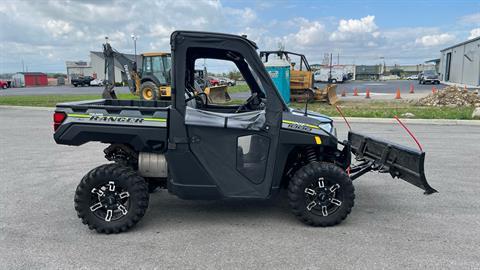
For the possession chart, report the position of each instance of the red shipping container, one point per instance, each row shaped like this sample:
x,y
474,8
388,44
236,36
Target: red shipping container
x,y
35,79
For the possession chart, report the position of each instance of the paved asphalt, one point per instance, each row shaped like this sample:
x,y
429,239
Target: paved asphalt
x,y
393,225
383,87
58,90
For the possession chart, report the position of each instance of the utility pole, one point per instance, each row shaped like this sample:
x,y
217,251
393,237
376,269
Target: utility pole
x,y
330,73
134,38
23,66
338,59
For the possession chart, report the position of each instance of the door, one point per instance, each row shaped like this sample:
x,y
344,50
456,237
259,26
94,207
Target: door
x,y
447,66
235,159
231,142
158,69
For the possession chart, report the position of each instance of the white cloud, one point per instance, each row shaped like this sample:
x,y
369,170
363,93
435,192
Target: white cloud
x,y
243,16
46,33
160,30
435,40
474,33
58,27
364,25
310,33
363,29
73,28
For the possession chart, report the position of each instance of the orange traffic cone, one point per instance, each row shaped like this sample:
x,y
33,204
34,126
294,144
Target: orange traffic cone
x,y
343,93
434,90
397,96
367,94
355,92
412,90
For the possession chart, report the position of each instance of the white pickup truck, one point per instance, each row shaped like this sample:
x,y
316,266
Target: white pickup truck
x,y
324,75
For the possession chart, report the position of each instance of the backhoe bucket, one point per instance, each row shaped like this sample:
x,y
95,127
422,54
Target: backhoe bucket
x,y
217,94
400,161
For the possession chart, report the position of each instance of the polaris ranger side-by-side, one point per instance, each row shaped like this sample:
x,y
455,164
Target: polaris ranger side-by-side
x,y
199,150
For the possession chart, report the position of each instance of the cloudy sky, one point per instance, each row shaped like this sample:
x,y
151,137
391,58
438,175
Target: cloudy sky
x,y
46,33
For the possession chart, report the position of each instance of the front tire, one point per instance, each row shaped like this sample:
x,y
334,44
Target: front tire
x,y
111,198
148,91
321,194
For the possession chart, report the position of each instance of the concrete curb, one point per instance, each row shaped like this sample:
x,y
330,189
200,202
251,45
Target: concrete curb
x,y
336,119
410,121
30,108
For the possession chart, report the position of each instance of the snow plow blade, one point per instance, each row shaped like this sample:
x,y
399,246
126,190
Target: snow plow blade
x,y
400,161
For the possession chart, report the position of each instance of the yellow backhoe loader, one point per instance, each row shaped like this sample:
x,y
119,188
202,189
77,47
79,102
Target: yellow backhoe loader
x,y
153,80
301,78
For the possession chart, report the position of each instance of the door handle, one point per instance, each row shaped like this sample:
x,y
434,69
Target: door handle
x,y
194,139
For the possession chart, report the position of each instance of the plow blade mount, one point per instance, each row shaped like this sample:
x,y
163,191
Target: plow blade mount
x,y
400,161
217,94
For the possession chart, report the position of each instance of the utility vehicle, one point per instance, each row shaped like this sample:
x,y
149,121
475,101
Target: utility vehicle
x,y
199,150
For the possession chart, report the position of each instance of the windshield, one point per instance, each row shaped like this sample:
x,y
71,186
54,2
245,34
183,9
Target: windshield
x,y
159,66
429,72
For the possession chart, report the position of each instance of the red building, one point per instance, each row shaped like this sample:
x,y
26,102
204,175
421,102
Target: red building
x,y
27,79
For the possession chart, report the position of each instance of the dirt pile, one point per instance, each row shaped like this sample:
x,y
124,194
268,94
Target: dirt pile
x,y
451,96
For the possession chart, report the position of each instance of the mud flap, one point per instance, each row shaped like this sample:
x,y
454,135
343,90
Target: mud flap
x,y
400,161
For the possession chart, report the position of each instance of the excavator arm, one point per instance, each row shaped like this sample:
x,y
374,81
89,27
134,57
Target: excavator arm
x,y
129,66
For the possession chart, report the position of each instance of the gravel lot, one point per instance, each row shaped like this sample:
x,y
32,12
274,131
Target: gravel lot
x,y
392,224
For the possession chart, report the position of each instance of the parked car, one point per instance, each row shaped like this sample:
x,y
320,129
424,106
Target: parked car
x,y
227,81
428,76
3,84
96,82
412,77
213,81
82,81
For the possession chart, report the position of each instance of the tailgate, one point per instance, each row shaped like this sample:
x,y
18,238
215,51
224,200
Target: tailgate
x,y
400,161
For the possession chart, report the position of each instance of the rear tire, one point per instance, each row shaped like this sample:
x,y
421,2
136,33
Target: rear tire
x,y
148,91
111,198
321,194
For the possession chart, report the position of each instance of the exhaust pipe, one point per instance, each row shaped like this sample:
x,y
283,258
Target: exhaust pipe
x,y
152,165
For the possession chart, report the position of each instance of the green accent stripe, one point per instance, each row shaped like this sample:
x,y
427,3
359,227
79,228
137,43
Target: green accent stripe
x,y
156,119
151,119
78,115
297,123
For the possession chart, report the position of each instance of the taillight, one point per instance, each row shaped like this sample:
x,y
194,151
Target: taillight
x,y
58,118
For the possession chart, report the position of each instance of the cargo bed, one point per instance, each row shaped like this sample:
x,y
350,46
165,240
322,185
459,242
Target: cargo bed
x,y
140,124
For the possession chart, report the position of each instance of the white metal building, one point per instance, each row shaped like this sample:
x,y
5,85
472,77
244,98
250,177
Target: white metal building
x,y
460,64
77,69
97,62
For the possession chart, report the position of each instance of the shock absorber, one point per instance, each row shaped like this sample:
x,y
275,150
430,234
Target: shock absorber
x,y
310,154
